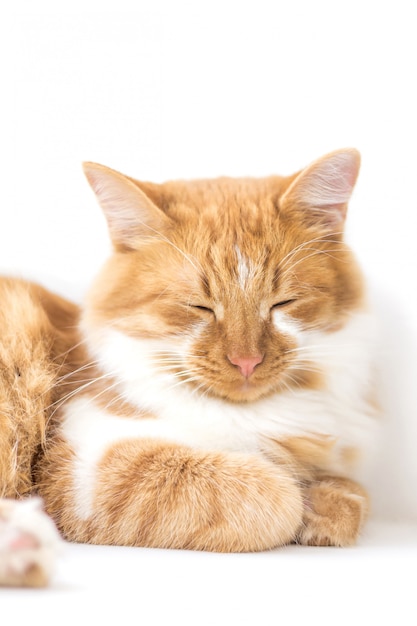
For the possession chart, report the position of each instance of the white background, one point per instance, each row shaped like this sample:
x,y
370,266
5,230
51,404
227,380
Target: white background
x,y
162,90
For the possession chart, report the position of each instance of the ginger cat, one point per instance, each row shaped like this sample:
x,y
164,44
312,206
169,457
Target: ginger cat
x,y
216,390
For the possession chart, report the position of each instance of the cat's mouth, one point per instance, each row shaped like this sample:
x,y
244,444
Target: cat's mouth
x,y
256,387
240,391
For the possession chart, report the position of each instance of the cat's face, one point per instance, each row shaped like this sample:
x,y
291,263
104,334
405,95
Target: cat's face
x,y
231,274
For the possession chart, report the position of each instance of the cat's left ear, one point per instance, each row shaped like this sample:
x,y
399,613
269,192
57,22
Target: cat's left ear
x,y
131,214
323,189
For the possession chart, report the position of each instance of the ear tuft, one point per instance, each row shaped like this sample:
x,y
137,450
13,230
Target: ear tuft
x,y
131,215
323,189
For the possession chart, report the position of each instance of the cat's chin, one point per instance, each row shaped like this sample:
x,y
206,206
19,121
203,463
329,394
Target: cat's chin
x,y
242,393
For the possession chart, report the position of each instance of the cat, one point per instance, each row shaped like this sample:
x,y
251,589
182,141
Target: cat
x,y
216,391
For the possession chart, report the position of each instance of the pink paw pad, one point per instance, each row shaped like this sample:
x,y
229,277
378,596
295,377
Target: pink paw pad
x,y
24,541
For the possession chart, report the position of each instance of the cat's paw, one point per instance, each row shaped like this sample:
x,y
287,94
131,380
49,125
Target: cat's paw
x,y
335,509
29,543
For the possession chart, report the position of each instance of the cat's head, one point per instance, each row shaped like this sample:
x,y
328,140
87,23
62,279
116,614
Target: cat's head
x,y
226,276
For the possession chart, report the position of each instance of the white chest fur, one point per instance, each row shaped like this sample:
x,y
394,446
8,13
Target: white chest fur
x,y
185,417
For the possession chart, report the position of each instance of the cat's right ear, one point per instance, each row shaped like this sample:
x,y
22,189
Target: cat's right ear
x,y
321,192
131,215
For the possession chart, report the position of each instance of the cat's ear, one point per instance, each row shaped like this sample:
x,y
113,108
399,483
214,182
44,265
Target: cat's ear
x,y
131,215
323,189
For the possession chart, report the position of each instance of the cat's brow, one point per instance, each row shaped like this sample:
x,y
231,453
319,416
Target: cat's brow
x,y
169,242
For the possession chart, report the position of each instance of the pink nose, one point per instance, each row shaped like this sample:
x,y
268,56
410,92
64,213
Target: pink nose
x,y
246,364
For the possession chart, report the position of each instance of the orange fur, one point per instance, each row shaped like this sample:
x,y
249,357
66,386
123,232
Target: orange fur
x,y
335,511
141,289
37,328
161,495
214,262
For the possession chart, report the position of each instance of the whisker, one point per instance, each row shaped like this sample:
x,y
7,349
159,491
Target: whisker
x,y
62,400
169,242
73,347
183,382
302,245
107,389
305,368
82,368
314,252
207,389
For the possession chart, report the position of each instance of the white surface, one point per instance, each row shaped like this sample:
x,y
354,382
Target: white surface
x,y
371,583
183,89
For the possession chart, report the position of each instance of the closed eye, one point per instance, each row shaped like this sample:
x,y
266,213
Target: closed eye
x,y
201,308
283,303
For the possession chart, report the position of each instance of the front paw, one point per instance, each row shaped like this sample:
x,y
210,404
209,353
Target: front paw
x,y
29,542
335,510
